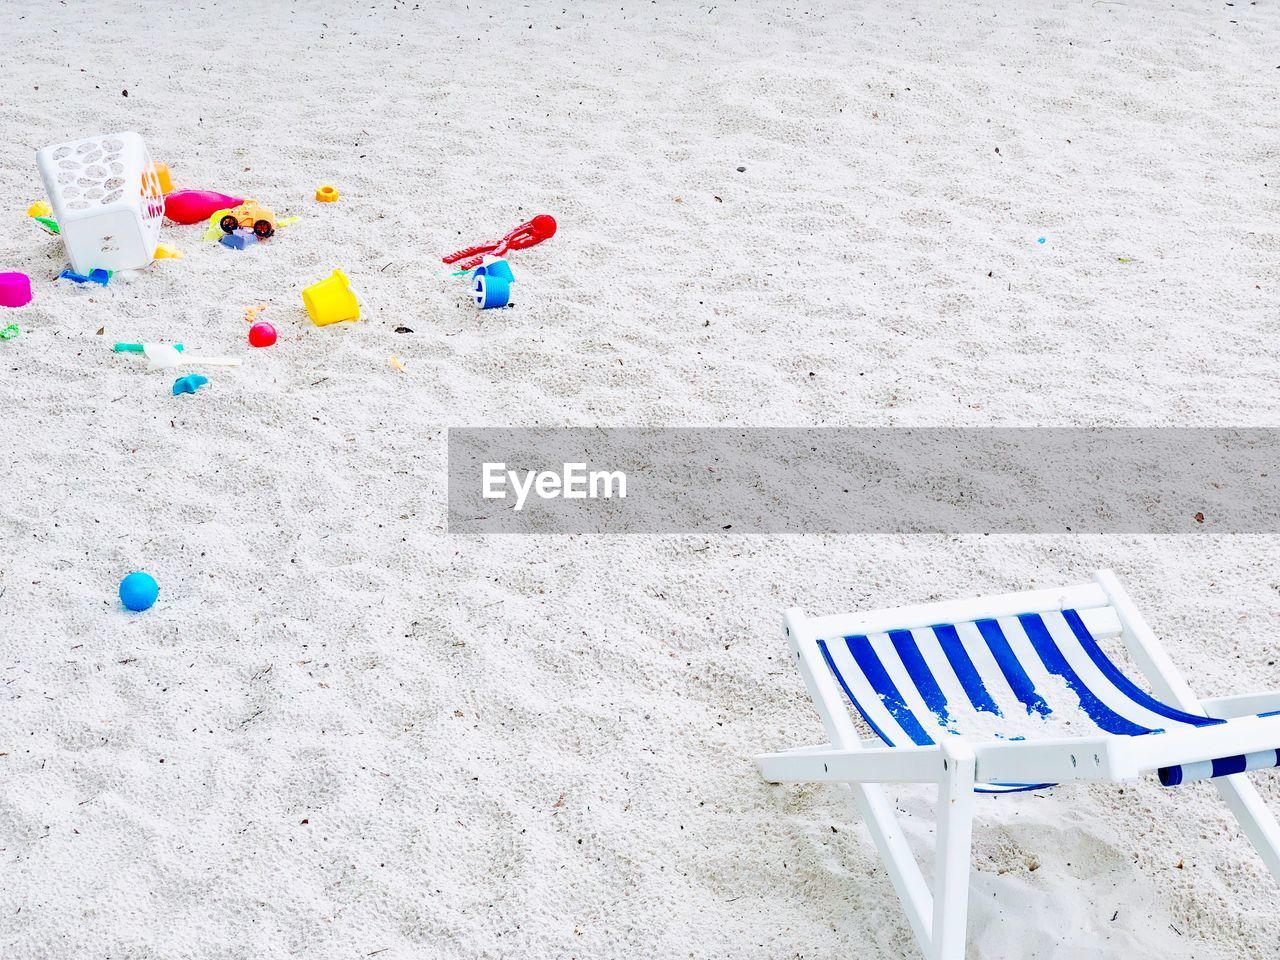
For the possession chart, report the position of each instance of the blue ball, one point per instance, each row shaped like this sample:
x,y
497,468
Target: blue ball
x,y
138,591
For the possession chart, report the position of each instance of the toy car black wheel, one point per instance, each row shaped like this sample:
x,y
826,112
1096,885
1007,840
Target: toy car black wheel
x,y
263,229
228,224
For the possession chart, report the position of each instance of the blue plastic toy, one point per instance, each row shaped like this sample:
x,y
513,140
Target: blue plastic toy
x,y
138,591
491,284
239,240
100,277
490,292
189,384
495,268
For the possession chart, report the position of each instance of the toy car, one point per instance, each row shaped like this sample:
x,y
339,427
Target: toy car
x,y
250,214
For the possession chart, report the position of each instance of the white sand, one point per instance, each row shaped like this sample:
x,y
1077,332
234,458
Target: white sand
x,y
342,733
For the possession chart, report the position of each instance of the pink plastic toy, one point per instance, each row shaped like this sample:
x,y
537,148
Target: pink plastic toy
x,y
15,289
195,206
262,334
542,227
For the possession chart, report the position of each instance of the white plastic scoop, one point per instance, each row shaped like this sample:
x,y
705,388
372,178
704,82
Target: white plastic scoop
x,y
164,356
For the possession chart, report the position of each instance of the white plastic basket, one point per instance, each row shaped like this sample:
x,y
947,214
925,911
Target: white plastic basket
x,y
106,197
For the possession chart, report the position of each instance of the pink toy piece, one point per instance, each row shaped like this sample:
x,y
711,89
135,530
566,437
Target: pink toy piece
x,y
196,206
15,289
262,334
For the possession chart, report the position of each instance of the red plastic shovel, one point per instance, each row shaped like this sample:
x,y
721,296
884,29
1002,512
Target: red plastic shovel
x,y
540,228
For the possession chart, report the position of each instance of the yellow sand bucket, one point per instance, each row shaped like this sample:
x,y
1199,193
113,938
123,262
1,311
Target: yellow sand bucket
x,y
331,300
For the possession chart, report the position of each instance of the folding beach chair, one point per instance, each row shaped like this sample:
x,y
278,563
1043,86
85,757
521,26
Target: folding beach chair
x,y
1010,693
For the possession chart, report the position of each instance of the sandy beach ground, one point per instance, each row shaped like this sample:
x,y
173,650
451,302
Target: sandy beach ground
x,y
343,733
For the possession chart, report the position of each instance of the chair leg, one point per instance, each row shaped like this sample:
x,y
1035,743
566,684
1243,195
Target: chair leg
x,y
1255,819
954,844
904,872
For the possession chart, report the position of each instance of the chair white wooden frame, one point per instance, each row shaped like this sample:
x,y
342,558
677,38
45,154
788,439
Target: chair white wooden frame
x,y
1192,748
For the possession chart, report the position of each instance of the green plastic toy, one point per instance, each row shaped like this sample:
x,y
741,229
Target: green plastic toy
x,y
136,347
9,332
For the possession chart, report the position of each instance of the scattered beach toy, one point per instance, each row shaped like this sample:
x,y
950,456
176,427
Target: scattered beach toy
x,y
395,363
262,334
167,253
100,277
192,206
491,283
542,227
15,289
1041,239
164,356
213,231
331,300
50,225
40,208
249,215
495,267
138,347
189,384
9,332
327,194
161,170
138,591
490,291
106,200
239,240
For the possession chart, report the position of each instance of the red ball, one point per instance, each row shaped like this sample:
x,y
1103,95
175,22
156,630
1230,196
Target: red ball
x,y
262,335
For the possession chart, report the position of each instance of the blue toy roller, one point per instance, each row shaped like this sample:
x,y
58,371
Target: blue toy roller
x,y
490,290
496,268
138,591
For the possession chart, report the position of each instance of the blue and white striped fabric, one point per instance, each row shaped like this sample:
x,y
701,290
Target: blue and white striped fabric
x,y
1012,678
1172,776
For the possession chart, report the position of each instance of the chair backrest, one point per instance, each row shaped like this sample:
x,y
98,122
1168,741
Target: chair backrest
x,y
1021,666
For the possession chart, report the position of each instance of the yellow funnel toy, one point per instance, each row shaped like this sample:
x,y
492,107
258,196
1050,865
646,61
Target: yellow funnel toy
x,y
331,300
162,174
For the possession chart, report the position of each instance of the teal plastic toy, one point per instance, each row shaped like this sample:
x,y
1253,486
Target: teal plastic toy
x,y
189,384
137,347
